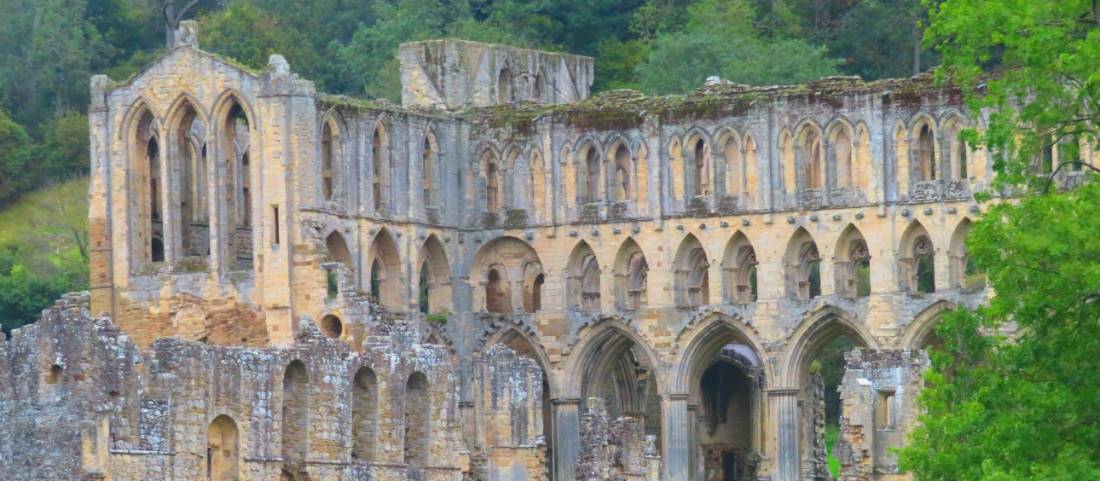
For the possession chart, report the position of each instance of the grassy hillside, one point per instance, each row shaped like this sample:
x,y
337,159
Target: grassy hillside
x,y
43,250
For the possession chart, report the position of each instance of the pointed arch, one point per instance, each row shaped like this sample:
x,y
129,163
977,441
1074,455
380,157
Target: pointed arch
x,y
434,276
916,258
417,421
620,172
491,180
815,331
924,159
734,166
920,333
583,278
380,166
384,260
852,267
810,156
589,178
739,276
803,266
862,160
429,169
676,169
332,157
902,169
957,154
631,276
841,153
236,130
752,175
964,274
613,361
505,87
788,161
698,165
187,163
337,250
143,142
539,202
692,273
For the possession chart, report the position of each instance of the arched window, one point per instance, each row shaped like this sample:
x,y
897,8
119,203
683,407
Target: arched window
x,y
745,279
533,279
591,181
735,167
491,176
540,88
427,172
504,87
328,176
957,150
926,154
295,412
925,272
498,294
380,151
152,154
859,275
376,273
187,161
809,280
590,284
238,186
700,183
813,166
222,450
698,286
418,406
842,155
423,291
364,415
637,276
622,188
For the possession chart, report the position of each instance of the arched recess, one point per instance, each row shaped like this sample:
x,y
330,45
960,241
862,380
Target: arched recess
x,y
235,132
295,412
790,167
862,160
640,153
902,170
802,263
956,153
734,166
676,169
620,173
380,167
222,450
720,367
739,279
916,260
583,278
337,251
631,276
921,331
692,271
429,170
964,274
809,157
434,277
814,364
500,352
614,364
924,158
491,176
332,158
697,166
752,177
417,422
841,153
187,162
385,271
506,274
589,178
146,223
364,415
852,264
539,202
505,87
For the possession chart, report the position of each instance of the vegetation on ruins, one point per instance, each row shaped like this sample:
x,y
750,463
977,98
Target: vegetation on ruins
x,y
1012,395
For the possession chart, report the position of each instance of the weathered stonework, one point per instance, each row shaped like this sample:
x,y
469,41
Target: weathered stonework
x,y
494,281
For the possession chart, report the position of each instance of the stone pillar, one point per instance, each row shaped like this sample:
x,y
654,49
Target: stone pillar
x,y
100,252
469,424
784,405
677,434
696,470
567,438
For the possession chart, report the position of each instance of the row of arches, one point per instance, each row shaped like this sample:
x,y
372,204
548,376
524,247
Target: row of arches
x,y
180,171
223,438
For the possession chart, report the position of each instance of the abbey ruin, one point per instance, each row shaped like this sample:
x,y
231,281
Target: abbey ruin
x,y
501,279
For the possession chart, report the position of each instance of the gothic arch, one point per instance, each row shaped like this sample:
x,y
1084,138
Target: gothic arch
x,y
706,337
809,156
295,413
187,160
788,162
491,180
622,180
916,260
384,270
734,172
333,161
814,331
143,140
631,276
234,165
956,154
434,277
675,168
337,250
698,164
802,262
223,449
739,276
852,264
925,159
596,352
841,153
960,266
583,278
380,164
692,273
364,418
921,331
589,178
901,159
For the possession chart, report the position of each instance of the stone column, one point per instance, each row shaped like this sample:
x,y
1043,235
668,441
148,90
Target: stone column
x,y
100,247
677,434
567,438
784,405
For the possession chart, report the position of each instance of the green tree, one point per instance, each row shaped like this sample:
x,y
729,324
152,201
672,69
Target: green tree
x,y
15,157
1046,86
250,35
720,39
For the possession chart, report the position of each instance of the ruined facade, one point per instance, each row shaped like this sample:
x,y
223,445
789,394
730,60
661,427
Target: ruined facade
x,y
501,279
